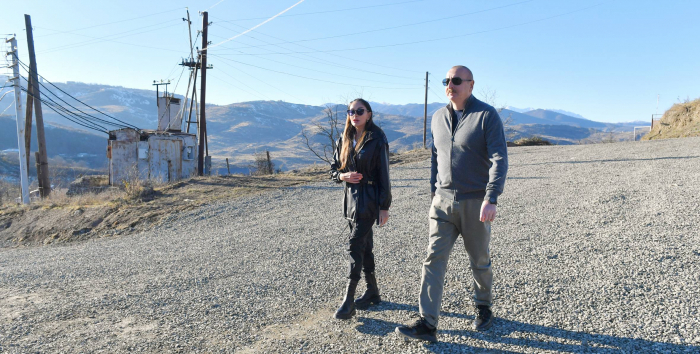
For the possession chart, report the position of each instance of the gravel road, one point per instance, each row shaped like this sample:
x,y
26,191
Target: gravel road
x,y
595,249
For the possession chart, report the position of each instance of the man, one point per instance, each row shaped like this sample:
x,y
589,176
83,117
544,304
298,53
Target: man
x,y
468,170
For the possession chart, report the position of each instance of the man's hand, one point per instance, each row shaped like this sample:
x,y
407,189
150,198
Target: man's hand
x,y
351,177
488,211
383,217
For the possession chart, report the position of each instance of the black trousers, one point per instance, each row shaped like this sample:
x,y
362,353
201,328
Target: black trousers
x,y
360,245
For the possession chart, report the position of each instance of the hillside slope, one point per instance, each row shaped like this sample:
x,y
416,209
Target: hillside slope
x,y
680,121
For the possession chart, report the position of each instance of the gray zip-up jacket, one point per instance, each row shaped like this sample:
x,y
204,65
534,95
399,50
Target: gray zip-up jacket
x,y
472,162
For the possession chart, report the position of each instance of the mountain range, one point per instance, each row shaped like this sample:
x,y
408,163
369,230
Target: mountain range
x,y
237,131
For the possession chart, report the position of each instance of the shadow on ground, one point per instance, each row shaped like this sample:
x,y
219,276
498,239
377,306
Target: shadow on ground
x,y
520,334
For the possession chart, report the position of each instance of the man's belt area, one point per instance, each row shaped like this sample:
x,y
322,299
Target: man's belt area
x,y
371,183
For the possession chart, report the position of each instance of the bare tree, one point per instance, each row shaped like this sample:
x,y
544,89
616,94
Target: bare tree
x,y
329,130
262,165
489,96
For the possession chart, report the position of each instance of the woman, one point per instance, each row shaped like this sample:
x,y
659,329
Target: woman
x,y
361,160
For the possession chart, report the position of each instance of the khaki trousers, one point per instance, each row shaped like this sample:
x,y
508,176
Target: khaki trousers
x,y
448,220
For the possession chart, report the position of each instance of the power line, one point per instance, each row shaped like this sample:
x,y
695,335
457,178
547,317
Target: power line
x,y
274,87
85,116
26,68
328,11
338,75
332,54
108,23
96,40
50,106
8,107
436,95
322,61
434,39
392,27
309,78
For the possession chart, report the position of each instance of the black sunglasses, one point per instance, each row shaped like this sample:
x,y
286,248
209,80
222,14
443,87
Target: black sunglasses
x,y
359,111
455,81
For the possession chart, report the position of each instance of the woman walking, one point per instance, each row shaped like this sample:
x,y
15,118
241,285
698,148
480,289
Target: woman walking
x,y
361,160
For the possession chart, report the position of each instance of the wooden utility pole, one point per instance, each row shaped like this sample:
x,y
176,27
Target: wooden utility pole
x,y
42,163
24,179
203,92
28,120
425,111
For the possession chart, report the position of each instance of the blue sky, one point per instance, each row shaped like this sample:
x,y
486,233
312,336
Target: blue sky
x,y
605,60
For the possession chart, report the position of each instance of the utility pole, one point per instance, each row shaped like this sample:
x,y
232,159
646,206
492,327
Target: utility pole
x,y
42,163
157,85
425,111
28,120
24,179
203,92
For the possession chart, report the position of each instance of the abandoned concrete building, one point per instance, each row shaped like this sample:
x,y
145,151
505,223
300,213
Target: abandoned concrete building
x,y
166,154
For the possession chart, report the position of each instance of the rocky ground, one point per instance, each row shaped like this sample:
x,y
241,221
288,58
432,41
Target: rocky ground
x,y
595,249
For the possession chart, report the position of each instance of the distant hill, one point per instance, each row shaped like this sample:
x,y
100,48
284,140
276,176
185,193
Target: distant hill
x,y
559,118
237,131
680,121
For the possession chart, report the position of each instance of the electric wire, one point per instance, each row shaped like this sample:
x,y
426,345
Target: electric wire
x,y
327,11
258,93
238,88
435,39
442,99
50,106
253,77
96,40
310,78
392,27
26,68
336,74
8,107
83,116
333,54
108,23
323,61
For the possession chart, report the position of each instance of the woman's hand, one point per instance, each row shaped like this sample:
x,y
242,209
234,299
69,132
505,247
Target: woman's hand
x,y
351,177
383,217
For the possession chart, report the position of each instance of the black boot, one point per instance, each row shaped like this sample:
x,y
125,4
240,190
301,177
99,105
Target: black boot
x,y
347,308
484,318
371,295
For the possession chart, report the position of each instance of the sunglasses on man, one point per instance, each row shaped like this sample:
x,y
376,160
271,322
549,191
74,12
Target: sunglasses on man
x,y
455,81
359,111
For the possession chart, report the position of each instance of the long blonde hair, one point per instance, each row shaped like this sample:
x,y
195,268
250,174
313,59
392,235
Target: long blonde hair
x,y
350,132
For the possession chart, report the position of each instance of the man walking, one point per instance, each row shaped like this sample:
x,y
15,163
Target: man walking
x,y
468,170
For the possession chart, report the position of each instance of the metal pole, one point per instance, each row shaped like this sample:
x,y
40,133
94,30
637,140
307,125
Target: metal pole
x,y
194,92
425,110
24,178
203,91
43,173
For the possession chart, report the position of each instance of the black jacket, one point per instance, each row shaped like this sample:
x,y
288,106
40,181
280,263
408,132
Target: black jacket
x,y
364,200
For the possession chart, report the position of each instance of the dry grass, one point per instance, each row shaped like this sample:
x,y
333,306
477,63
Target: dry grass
x,y
680,121
8,192
59,199
532,141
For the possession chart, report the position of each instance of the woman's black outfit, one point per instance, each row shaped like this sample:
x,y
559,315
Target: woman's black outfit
x,y
361,205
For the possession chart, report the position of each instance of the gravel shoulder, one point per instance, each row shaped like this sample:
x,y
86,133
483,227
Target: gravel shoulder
x,y
596,249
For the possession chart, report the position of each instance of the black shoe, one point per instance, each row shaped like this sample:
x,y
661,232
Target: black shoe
x,y
484,318
347,308
371,295
420,330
